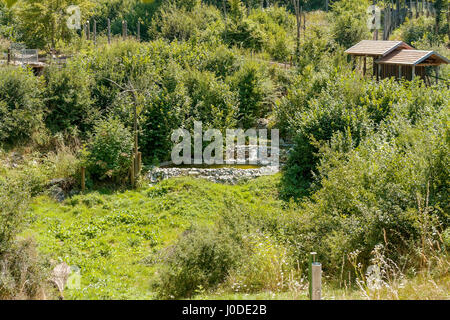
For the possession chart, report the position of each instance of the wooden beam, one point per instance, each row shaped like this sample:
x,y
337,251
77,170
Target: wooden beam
x,y
437,74
109,31
365,66
95,31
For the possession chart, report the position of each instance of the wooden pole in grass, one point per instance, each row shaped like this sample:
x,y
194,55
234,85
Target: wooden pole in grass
x,y
139,162
83,179
124,30
365,66
132,173
139,31
95,32
315,278
9,56
109,31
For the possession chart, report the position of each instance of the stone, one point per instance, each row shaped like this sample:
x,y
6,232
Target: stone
x,y
57,193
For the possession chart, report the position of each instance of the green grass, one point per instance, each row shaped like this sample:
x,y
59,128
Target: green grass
x,y
116,238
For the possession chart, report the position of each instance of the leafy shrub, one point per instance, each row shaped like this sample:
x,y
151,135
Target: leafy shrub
x,y
201,258
21,107
255,92
21,275
335,110
267,266
108,154
164,113
212,100
241,31
422,29
278,26
351,108
350,21
68,99
175,23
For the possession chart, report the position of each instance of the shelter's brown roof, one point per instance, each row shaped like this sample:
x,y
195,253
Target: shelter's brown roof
x,y
413,57
376,47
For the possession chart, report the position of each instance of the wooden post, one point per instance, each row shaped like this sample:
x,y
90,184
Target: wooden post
x,y
326,5
397,13
132,173
9,56
304,24
139,31
88,29
139,163
95,32
379,72
316,281
410,8
315,278
417,9
109,31
413,72
399,72
299,24
123,30
83,179
437,74
365,66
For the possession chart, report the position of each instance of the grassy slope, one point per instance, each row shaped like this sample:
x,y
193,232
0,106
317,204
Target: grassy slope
x,y
115,238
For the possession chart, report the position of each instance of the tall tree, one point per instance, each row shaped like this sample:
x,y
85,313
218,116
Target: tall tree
x,y
44,22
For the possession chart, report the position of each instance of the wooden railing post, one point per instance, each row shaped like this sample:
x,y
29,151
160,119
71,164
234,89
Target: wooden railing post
x,y
132,173
83,179
95,32
109,31
139,31
315,278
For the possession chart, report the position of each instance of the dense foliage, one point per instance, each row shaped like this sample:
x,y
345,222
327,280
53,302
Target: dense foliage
x,y
109,151
21,105
366,175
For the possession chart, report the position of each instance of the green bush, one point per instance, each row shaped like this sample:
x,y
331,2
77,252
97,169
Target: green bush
x,y
201,259
163,113
318,118
22,275
68,99
278,26
108,154
212,101
350,21
21,107
175,23
255,93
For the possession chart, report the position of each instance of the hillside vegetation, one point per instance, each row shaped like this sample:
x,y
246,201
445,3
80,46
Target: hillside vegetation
x,y
365,184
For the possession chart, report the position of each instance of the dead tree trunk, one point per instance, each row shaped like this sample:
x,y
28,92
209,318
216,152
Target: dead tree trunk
x,y
296,4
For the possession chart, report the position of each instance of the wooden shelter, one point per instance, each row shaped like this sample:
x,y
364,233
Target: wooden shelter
x,y
396,59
